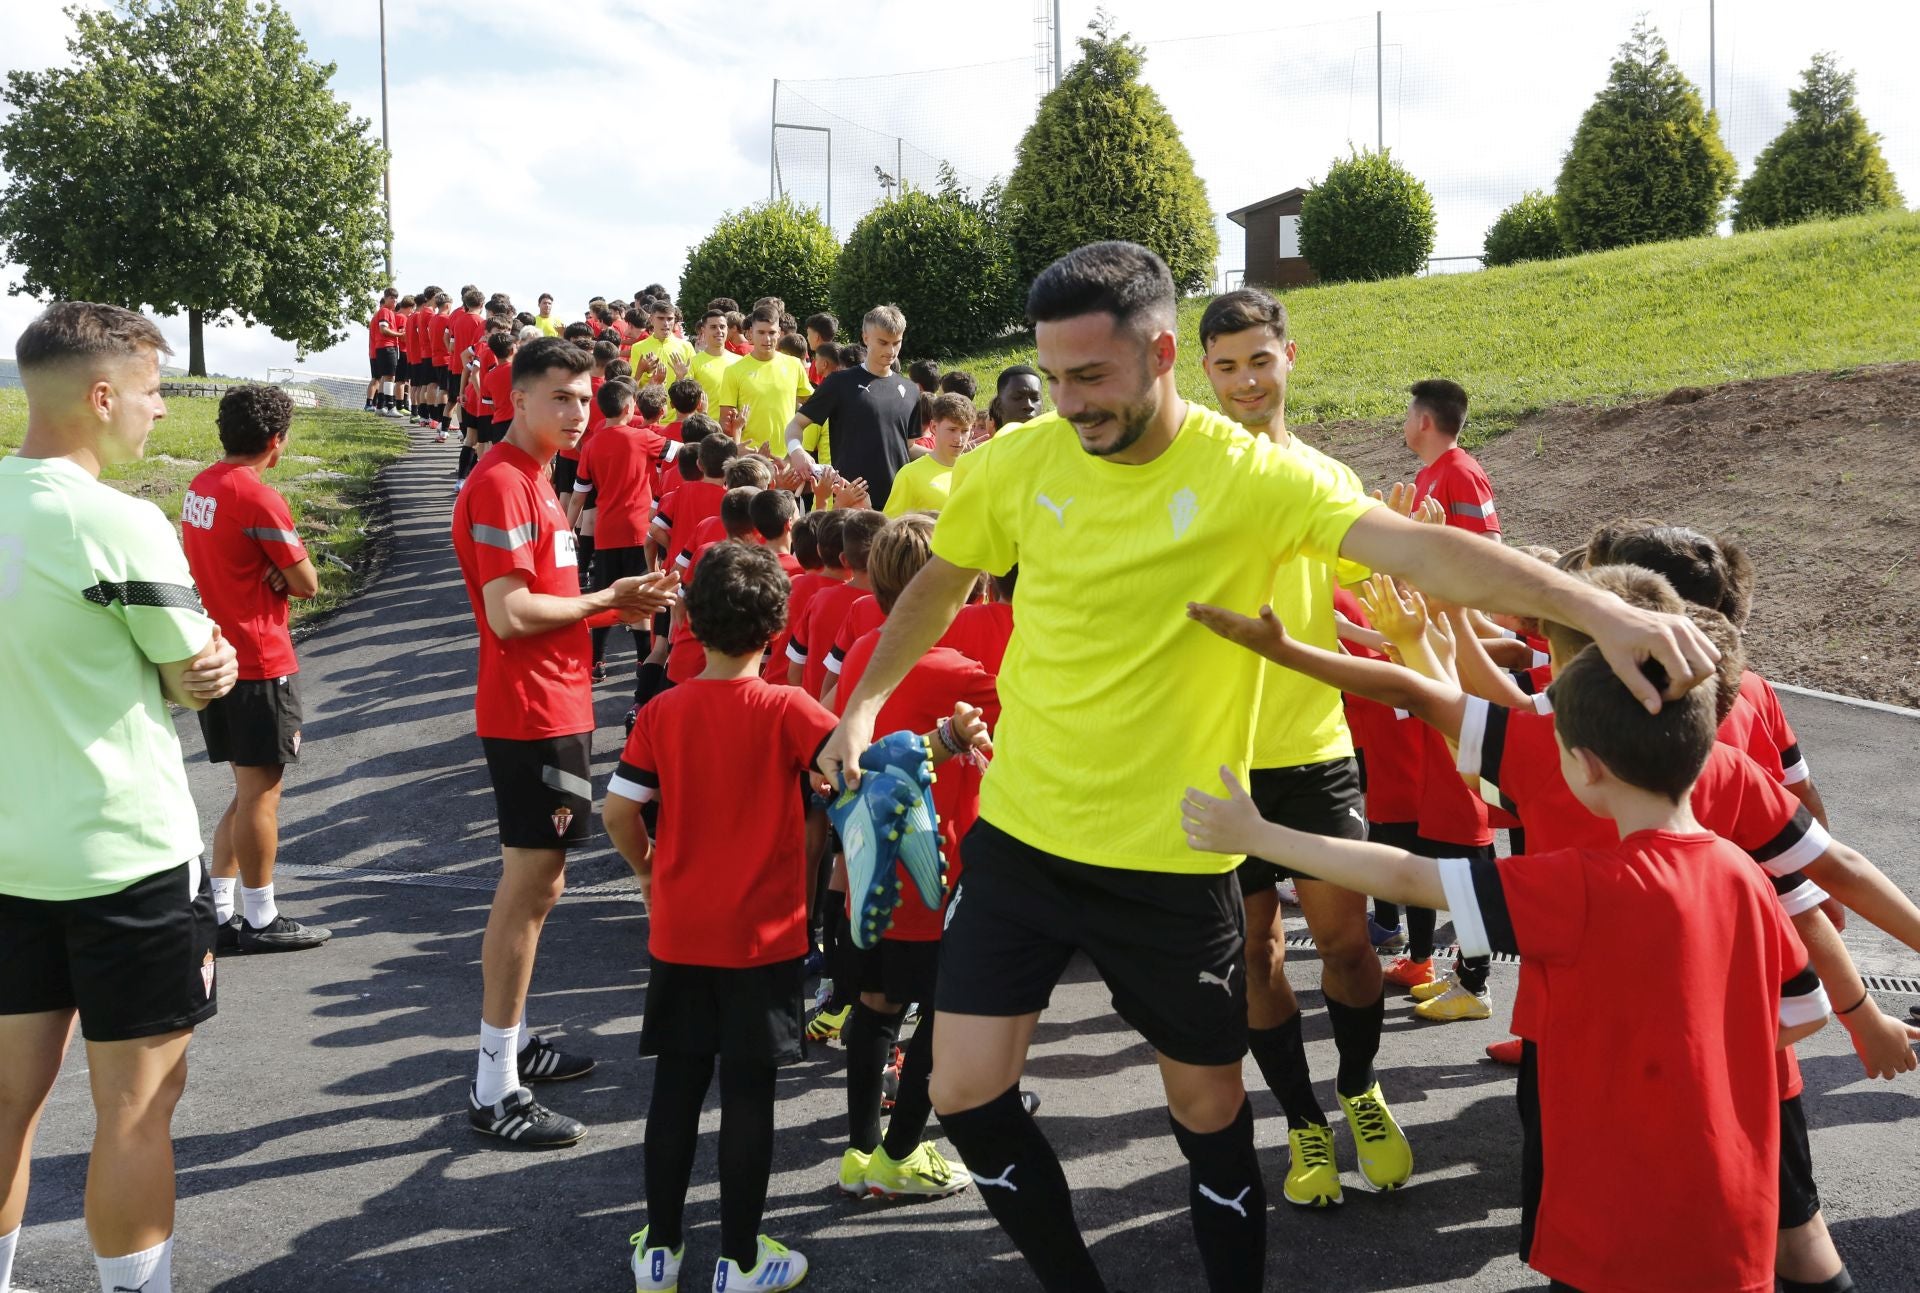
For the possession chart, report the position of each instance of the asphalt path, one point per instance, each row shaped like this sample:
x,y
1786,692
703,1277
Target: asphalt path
x,y
322,1142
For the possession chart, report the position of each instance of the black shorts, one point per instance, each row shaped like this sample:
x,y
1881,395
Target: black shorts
x,y
1532,1160
1318,798
1167,945
256,725
1399,835
441,377
610,564
900,970
485,429
1799,1196
756,1013
565,471
456,383
421,372
136,963
386,362
542,790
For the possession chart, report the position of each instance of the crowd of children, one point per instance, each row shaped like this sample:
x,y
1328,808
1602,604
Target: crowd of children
x,y
1678,856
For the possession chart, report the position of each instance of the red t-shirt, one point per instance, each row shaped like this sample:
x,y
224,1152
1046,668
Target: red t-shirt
x,y
680,513
1684,922
473,394
235,527
1460,483
620,466
467,327
414,342
376,339
813,636
981,632
436,338
862,618
507,521
1449,811
738,347
1746,728
1391,738
1759,693
497,386
942,678
805,584
729,887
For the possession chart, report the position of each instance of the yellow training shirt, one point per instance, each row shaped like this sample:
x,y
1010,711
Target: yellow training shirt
x,y
770,390
666,348
1113,702
922,486
548,325
708,370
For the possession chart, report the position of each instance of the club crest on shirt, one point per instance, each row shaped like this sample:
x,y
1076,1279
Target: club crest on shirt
x,y
1184,509
206,975
296,744
562,818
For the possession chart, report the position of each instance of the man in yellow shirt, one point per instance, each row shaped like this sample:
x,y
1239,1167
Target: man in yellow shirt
x,y
548,325
665,356
924,483
762,388
1122,508
711,358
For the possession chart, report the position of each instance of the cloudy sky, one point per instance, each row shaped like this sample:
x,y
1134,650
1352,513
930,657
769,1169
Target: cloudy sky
x,y
585,149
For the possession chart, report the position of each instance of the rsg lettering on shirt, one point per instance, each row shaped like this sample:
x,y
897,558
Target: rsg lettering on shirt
x,y
198,511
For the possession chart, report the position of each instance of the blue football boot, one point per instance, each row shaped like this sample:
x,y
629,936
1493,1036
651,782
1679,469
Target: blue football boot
x,y
866,818
905,755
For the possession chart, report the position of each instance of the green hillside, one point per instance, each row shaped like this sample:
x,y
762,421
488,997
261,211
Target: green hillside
x,y
1601,327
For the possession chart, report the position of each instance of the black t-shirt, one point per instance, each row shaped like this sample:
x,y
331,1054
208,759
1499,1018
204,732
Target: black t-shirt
x,y
871,420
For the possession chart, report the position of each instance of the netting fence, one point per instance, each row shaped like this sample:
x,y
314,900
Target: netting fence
x,y
1479,100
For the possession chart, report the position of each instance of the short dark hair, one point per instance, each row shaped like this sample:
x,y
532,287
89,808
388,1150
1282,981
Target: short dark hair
x,y
736,319
1446,401
605,352
1240,310
774,511
685,395
827,355
500,343
924,373
792,343
736,510
633,318
69,330
711,314
652,401
1010,375
716,451
687,462
472,298
1635,585
824,324
960,382
806,549
1122,279
540,357
748,469
788,324
544,296
1725,637
252,417
950,406
614,397
828,529
1662,753
853,354
577,332
696,427
724,305
765,314
738,600
856,535
1694,563
616,370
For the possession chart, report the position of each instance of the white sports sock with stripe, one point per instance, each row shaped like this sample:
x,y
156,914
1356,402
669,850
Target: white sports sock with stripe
x,y
7,1244
499,1074
144,1272
526,1035
223,887
257,905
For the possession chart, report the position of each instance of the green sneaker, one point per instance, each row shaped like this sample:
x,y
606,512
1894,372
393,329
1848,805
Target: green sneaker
x,y
655,1270
1313,1180
826,1025
923,1174
1386,1159
853,1173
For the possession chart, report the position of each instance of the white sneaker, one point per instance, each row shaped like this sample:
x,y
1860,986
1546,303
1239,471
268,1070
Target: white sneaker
x,y
655,1270
776,1267
1288,895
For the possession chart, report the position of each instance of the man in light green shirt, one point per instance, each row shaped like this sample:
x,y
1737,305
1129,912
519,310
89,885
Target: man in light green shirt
x,y
105,910
761,390
664,357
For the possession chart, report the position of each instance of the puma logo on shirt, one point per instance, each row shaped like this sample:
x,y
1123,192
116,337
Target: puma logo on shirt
x,y
1059,510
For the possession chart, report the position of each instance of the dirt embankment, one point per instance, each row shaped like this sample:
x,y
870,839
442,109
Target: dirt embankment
x,y
1817,474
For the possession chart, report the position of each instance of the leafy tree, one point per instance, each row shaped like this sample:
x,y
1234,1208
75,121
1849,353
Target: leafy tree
x,y
1646,163
1104,160
1824,163
942,258
1527,230
1369,218
192,157
777,248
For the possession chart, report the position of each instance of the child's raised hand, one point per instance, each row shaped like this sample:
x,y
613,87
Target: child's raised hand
x,y
1265,636
1397,612
969,727
1440,638
1430,512
1401,498
1229,825
1884,1044
681,367
850,493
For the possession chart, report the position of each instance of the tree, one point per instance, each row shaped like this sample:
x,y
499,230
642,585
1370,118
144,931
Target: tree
x,y
1824,163
1646,162
777,248
1369,218
193,158
1104,160
1527,230
942,258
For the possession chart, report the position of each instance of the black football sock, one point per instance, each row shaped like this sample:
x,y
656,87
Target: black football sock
x,y
1282,1056
869,1037
1356,1035
1386,914
1018,1177
468,460
746,1157
1420,922
649,681
1228,1200
1473,972
843,958
912,1105
673,1133
1841,1283
600,645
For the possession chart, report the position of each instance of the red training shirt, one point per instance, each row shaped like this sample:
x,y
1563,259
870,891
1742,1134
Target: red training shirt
x,y
376,339
862,618
805,583
620,465
1460,483
681,512
235,527
981,632
1759,693
813,637
497,386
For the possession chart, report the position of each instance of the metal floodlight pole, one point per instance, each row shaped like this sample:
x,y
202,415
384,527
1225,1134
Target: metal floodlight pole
x,y
386,173
1056,44
1712,35
773,141
899,163
1379,83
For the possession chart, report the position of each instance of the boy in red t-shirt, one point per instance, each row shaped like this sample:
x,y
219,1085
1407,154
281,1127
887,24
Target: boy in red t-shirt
x,y
616,473
383,341
496,389
247,560
1698,1094
1450,475
953,700
695,501
813,640
534,715
726,895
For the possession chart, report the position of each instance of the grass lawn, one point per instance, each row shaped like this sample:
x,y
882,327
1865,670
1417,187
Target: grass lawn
x,y
326,475
1602,327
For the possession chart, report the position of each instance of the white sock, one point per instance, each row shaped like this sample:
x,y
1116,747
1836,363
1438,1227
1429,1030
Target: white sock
x,y
526,1034
257,905
147,1272
223,887
7,1244
498,1074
